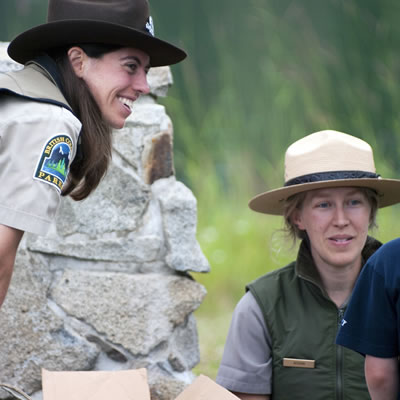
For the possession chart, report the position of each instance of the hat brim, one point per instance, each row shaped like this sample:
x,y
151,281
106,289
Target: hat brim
x,y
272,202
32,42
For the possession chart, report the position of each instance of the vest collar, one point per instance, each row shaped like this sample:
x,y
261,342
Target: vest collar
x,y
305,266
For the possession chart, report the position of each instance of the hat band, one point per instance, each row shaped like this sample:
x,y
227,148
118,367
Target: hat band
x,y
330,176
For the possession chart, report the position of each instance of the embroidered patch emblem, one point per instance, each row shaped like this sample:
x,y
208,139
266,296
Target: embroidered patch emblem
x,y
150,26
54,162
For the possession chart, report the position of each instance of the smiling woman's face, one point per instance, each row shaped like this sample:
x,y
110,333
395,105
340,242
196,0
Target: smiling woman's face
x,y
336,221
116,80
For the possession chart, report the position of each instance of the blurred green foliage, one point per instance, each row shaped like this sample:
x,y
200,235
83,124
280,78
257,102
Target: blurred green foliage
x,y
19,15
260,75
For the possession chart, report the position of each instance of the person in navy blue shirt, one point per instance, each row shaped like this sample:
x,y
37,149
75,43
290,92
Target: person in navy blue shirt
x,y
371,324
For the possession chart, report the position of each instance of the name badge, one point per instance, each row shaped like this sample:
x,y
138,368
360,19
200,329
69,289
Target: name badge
x,y
298,363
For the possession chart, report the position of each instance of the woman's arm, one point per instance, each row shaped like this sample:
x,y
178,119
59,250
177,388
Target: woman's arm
x,y
382,377
9,241
246,365
245,396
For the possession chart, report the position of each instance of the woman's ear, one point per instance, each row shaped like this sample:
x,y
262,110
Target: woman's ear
x,y
78,58
296,219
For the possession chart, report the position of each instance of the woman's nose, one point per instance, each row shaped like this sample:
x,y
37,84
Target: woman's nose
x,y
140,83
340,216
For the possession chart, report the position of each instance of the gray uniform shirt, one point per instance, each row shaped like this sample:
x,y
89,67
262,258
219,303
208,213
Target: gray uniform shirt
x,y
38,141
246,364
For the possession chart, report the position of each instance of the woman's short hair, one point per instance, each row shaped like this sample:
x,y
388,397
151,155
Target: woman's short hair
x,y
296,202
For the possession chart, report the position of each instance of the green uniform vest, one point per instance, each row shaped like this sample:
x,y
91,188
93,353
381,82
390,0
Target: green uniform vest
x,y
303,323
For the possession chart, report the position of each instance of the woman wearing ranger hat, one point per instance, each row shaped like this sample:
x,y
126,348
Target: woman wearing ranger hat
x,y
83,71
281,343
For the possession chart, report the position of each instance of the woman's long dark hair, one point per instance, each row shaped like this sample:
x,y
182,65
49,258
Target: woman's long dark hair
x,y
88,167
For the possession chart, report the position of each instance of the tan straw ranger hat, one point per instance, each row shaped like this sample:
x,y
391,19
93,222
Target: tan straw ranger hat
x,y
327,159
125,23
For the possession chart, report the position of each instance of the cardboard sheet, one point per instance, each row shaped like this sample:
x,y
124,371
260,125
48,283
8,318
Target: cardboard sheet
x,y
99,385
204,388
120,385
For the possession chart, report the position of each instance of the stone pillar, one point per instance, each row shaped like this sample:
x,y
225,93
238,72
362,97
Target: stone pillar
x,y
110,287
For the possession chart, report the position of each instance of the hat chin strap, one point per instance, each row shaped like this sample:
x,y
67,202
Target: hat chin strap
x,y
330,176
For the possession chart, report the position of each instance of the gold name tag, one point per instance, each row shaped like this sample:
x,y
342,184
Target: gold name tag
x,y
298,362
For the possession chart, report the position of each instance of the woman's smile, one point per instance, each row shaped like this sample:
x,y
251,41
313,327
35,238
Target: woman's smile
x,y
116,81
128,103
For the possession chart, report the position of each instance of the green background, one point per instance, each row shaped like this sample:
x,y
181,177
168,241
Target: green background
x,y
261,74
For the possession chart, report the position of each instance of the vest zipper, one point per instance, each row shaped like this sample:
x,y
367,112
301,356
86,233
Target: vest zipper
x,y
339,362
339,349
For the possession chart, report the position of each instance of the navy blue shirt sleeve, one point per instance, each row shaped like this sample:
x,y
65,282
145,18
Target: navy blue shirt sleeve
x,y
370,325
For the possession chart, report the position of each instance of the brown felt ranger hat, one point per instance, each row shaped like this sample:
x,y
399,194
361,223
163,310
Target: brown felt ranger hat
x,y
327,159
125,23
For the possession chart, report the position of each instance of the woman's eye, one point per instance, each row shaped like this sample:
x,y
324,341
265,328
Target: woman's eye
x,y
354,202
323,204
132,67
